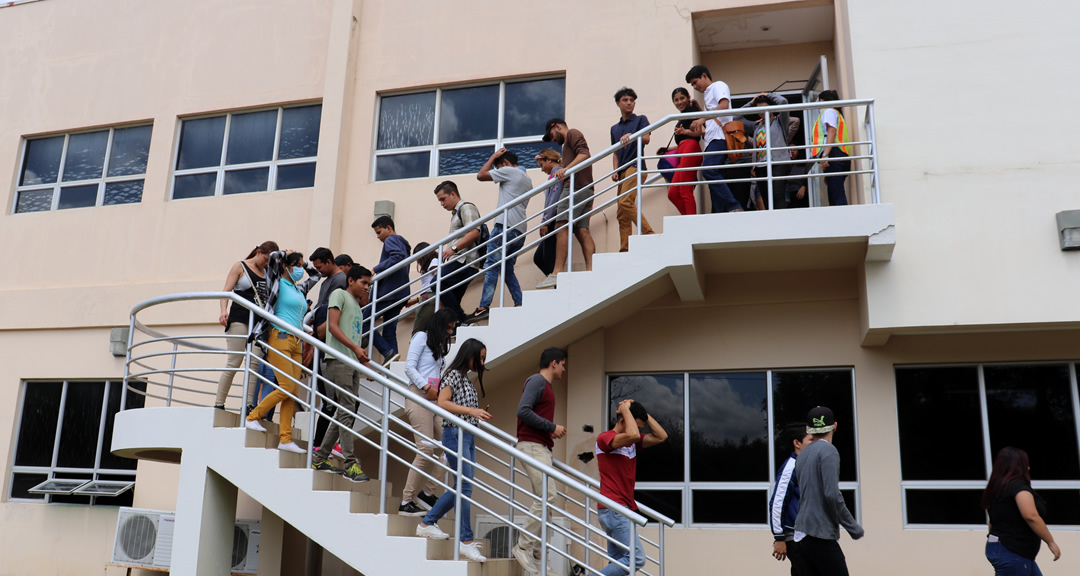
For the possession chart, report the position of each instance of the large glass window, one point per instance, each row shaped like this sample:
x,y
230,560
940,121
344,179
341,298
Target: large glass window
x,y
62,450
244,152
722,470
453,130
953,420
83,169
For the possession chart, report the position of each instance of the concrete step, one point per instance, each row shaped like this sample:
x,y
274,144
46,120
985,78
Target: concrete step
x,y
331,481
444,549
398,525
496,567
360,503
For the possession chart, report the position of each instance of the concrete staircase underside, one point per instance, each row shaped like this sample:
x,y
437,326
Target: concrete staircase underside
x,y
340,515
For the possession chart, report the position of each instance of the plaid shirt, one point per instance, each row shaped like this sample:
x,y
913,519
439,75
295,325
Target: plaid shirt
x,y
274,271
464,395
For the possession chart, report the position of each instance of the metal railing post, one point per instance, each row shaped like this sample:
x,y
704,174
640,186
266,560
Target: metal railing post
x,y
457,494
502,260
438,277
513,469
570,230
875,187
384,445
373,318
544,525
632,566
661,547
768,160
127,364
172,374
311,402
247,369
588,534
638,175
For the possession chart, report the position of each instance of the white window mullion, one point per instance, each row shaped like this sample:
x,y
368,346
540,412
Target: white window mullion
x,y
60,176
771,426
433,163
105,168
687,493
271,183
502,110
101,428
219,184
987,452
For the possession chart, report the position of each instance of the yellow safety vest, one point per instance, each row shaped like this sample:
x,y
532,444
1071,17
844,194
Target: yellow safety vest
x,y
820,135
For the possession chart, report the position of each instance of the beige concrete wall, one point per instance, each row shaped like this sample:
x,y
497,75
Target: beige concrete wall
x,y
753,70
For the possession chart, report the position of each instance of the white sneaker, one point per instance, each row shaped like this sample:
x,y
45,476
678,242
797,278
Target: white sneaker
x,y
291,447
254,425
471,551
548,282
432,532
525,558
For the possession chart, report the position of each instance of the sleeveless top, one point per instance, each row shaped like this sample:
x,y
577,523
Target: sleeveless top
x,y
245,290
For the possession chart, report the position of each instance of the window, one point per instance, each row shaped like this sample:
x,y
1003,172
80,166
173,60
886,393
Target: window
x,y
62,450
721,471
243,152
954,419
83,169
454,130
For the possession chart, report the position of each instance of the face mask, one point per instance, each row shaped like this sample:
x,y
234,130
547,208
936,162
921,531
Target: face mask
x,y
296,274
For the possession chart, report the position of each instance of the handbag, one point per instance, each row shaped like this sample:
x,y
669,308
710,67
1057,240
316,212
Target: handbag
x,y
735,135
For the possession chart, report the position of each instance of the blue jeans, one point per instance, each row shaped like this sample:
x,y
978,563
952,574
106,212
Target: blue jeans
x,y
1008,563
446,501
835,184
722,198
386,337
494,253
618,528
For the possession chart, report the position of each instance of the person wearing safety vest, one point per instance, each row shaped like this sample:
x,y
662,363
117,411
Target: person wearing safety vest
x,y
830,130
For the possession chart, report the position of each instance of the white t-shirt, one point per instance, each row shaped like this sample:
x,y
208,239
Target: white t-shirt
x,y
716,92
830,117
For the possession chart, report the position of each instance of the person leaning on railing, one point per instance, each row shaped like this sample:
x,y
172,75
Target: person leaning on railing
x,y
287,301
458,396
687,141
424,366
247,278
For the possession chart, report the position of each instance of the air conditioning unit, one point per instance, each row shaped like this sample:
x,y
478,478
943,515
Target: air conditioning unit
x,y
498,533
144,539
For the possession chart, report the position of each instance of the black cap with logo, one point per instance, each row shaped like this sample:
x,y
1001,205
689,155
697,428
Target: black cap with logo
x,y
551,124
820,420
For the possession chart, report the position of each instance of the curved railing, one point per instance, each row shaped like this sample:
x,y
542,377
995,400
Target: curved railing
x,y
179,369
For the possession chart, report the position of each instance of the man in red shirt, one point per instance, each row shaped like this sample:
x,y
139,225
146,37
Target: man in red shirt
x,y
616,456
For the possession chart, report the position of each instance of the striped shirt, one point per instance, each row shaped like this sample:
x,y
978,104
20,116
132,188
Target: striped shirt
x,y
464,394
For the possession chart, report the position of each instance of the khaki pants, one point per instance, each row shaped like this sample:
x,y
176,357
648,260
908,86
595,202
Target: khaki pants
x,y
287,374
529,537
428,423
348,379
233,361
627,211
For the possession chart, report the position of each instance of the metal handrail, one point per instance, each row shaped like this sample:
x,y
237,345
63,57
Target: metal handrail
x,y
387,385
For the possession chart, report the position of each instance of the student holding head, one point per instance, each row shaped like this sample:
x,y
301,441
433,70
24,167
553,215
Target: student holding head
x,y
829,137
628,124
391,290
247,278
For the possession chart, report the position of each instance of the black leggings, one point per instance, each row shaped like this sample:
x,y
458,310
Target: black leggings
x,y
821,557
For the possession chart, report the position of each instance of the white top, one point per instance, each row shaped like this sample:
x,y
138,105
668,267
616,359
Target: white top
x,y
429,279
830,117
421,363
716,92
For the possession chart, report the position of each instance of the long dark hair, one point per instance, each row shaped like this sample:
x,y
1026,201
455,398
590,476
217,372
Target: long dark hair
x,y
438,341
266,248
423,263
1011,464
692,106
468,356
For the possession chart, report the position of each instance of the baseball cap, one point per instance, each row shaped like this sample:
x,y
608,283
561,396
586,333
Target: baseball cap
x,y
820,420
549,125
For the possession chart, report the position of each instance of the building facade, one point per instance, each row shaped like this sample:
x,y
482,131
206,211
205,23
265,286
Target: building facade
x,y
148,146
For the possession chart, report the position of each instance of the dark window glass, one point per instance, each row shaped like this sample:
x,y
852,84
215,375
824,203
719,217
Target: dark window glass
x,y
945,507
82,418
37,427
300,132
463,161
136,395
200,143
71,499
1030,407
947,398
21,483
34,201
108,460
295,176
662,397
796,392
469,114
41,164
405,121
129,192
251,180
731,506
666,502
402,166
849,500
251,137
530,104
85,156
194,186
130,148
526,153
77,197
1062,507
729,428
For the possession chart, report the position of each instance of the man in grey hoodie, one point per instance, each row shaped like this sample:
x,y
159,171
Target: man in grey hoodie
x,y
821,506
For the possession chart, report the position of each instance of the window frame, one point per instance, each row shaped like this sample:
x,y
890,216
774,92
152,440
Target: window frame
x,y
220,170
687,487
434,148
905,485
96,472
102,182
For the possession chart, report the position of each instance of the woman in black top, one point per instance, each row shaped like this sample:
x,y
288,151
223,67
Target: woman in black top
x,y
687,139
1017,528
247,279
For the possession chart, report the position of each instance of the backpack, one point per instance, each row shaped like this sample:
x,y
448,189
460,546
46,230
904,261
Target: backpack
x,y
735,134
485,233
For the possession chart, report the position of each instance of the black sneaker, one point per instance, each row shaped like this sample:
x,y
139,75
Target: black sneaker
x,y
355,474
410,509
476,316
326,466
425,500
220,407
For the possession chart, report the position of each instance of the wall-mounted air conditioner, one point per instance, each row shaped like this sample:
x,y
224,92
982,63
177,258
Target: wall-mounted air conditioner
x,y
144,539
497,532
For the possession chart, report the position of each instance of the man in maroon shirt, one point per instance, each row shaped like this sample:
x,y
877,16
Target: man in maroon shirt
x,y
536,433
616,456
